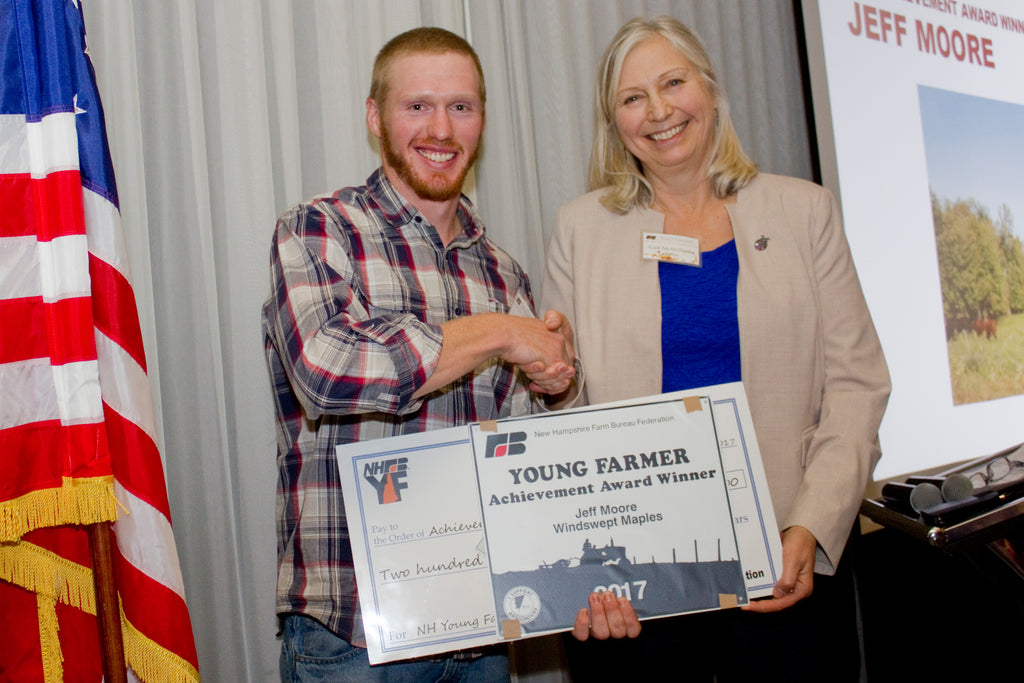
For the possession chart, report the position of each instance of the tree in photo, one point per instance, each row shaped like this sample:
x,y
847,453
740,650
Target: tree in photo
x,y
1013,261
971,266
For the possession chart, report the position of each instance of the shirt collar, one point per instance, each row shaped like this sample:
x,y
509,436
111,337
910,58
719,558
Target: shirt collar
x,y
397,212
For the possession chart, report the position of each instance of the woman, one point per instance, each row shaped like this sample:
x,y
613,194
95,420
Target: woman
x,y
773,299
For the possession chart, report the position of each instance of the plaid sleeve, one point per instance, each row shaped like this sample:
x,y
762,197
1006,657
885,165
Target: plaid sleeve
x,y
338,358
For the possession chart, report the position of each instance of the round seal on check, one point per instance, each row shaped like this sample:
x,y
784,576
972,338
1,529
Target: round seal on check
x,y
522,603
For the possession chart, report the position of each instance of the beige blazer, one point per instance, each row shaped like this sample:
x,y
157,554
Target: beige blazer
x,y
812,366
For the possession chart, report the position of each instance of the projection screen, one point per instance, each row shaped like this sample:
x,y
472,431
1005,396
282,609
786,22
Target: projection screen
x,y
919,111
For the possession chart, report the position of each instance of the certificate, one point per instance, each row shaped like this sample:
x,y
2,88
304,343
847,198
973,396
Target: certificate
x,y
497,530
417,539
630,499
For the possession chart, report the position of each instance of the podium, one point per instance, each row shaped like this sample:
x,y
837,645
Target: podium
x,y
943,602
992,541
976,530
988,531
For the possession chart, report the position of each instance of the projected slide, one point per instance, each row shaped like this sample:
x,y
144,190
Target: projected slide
x,y
919,107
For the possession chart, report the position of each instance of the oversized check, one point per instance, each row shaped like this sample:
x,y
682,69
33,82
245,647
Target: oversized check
x,y
499,530
631,499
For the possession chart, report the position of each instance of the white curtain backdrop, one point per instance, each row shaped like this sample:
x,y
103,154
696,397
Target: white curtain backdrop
x,y
222,113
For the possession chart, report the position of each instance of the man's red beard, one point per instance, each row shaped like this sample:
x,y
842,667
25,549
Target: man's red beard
x,y
436,186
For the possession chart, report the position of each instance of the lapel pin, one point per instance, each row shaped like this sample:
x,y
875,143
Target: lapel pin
x,y
761,244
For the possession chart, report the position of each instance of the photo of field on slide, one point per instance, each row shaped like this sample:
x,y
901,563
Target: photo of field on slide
x,y
974,149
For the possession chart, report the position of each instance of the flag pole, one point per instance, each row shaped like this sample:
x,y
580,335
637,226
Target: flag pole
x,y
108,614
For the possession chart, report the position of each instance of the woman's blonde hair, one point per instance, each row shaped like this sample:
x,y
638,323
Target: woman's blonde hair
x,y
613,166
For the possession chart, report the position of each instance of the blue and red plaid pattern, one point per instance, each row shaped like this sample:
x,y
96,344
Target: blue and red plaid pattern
x,y
360,284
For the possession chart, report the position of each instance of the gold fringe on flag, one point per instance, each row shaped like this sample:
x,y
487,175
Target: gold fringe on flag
x,y
152,663
49,640
55,579
43,572
77,501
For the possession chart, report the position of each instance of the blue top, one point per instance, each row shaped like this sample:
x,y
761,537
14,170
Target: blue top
x,y
700,331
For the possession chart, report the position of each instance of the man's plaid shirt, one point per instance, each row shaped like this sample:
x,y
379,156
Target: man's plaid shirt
x,y
360,284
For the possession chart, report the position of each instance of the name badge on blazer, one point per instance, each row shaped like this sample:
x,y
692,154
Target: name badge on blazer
x,y
671,248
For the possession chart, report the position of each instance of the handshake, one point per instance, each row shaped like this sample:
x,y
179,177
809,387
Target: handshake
x,y
544,351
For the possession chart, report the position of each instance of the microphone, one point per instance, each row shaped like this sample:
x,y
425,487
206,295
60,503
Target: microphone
x,y
952,487
910,497
925,495
920,493
944,501
979,501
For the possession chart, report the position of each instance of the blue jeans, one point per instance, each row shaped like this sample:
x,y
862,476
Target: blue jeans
x,y
310,652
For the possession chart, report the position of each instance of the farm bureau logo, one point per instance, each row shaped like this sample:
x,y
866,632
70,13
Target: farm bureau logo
x,y
387,477
499,445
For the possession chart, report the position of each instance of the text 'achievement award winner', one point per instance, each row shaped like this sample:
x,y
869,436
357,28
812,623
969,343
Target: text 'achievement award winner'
x,y
474,535
631,500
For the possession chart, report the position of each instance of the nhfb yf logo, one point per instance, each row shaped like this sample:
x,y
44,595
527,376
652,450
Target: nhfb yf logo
x,y
500,445
387,477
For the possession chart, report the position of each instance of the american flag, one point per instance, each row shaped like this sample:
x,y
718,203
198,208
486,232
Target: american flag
x,y
77,430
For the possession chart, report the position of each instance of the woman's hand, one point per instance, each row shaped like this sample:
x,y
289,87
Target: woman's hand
x,y
797,581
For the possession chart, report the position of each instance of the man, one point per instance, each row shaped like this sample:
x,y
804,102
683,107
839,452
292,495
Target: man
x,y
391,312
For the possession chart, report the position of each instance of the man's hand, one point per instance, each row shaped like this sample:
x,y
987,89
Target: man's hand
x,y
543,349
797,581
609,616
